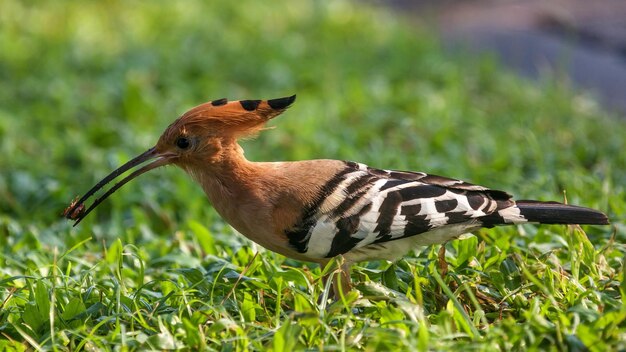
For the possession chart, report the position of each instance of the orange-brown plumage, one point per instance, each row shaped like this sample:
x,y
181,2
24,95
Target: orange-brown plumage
x,y
317,209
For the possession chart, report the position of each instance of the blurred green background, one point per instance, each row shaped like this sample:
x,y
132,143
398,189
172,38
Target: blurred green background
x,y
84,86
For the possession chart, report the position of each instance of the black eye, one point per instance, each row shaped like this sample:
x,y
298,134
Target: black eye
x,y
182,142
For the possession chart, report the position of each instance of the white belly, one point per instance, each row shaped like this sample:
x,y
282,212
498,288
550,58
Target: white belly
x,y
396,249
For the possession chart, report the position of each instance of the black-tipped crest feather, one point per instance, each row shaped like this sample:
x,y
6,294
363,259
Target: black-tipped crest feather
x,y
281,103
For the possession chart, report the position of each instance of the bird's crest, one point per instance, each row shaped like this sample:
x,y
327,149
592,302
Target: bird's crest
x,y
235,118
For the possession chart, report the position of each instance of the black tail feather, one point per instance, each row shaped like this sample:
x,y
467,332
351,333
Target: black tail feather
x,y
558,213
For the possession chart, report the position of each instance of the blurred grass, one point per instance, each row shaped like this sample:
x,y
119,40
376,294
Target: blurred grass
x,y
85,86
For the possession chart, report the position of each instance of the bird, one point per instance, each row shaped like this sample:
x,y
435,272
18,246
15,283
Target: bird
x,y
317,210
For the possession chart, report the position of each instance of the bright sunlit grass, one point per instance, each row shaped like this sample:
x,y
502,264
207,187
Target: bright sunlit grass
x,y
87,85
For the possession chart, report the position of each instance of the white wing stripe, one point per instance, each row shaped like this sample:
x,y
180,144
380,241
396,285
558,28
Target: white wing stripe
x,y
372,214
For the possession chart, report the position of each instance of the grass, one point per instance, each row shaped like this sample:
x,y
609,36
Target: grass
x,y
88,85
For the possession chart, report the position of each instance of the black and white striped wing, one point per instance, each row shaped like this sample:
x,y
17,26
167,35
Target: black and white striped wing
x,y
362,206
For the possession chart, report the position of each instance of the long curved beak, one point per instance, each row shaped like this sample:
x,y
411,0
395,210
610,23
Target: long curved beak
x,y
76,211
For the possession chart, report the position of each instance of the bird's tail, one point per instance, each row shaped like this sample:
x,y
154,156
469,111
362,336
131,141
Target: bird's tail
x,y
558,213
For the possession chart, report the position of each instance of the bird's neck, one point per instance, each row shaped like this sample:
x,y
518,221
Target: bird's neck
x,y
262,199
234,186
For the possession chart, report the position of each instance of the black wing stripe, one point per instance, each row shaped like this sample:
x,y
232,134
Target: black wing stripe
x,y
411,209
388,210
416,224
476,201
421,191
344,240
392,183
298,235
444,206
354,193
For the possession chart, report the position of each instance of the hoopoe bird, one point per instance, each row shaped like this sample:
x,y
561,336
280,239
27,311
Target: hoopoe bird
x,y
315,210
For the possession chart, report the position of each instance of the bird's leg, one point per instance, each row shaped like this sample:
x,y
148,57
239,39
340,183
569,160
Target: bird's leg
x,y
342,283
340,277
441,260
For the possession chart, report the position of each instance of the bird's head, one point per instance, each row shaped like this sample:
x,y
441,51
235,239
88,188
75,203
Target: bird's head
x,y
196,138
